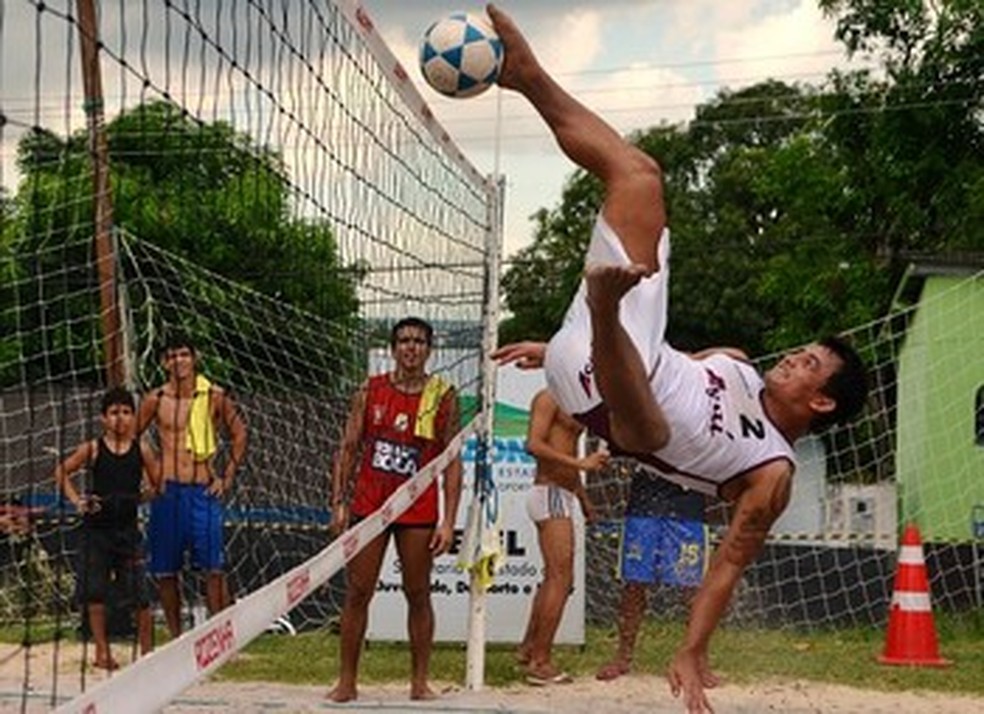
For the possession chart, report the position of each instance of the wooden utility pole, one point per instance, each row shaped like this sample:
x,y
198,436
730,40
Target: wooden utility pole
x,y
102,198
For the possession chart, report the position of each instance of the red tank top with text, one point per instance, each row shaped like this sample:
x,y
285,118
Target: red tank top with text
x,y
392,453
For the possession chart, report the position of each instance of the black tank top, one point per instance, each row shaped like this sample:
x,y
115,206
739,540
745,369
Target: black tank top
x,y
116,481
651,496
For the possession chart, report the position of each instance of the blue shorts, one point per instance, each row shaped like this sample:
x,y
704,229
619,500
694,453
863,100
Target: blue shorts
x,y
185,518
663,550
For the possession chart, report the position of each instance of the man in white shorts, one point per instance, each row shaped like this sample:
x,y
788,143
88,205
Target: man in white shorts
x,y
552,438
708,421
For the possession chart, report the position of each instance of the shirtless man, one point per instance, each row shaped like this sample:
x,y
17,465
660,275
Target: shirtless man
x,y
708,421
552,439
188,411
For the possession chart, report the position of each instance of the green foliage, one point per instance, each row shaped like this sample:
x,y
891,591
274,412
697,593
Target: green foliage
x,y
9,344
913,143
211,195
48,300
545,275
908,32
199,190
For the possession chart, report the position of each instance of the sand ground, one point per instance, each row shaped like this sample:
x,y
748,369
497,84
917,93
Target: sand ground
x,y
631,694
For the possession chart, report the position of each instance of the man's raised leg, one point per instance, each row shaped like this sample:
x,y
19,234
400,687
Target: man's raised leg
x,y
633,208
636,421
633,204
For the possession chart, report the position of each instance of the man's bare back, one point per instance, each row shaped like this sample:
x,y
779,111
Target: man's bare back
x,y
562,435
552,440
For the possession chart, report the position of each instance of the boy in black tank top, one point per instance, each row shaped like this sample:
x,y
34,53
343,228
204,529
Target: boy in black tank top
x,y
112,544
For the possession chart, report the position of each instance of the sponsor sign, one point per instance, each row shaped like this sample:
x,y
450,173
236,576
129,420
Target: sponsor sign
x,y
298,586
216,642
512,590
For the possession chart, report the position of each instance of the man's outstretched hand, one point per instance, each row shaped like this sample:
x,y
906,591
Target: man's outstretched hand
x,y
525,355
690,674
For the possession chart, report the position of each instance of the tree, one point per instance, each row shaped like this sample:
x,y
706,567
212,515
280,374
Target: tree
x,y
200,190
793,208
912,143
197,189
762,250
543,276
212,195
8,277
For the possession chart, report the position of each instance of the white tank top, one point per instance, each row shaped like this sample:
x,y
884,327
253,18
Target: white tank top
x,y
718,427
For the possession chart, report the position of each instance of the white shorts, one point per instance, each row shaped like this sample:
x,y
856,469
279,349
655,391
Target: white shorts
x,y
546,501
569,373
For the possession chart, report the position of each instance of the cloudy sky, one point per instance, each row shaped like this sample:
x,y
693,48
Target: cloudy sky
x,y
637,62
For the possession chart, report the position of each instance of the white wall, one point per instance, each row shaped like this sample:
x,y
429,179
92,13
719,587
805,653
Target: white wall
x,y
804,517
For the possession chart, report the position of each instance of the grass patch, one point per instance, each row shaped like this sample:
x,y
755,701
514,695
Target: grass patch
x,y
839,656
740,655
37,632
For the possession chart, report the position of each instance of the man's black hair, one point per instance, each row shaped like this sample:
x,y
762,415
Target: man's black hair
x,y
118,395
848,386
176,341
417,322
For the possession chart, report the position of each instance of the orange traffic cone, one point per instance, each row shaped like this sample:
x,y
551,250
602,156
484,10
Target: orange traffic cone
x,y
911,638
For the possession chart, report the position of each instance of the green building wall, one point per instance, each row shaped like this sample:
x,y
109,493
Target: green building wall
x,y
941,370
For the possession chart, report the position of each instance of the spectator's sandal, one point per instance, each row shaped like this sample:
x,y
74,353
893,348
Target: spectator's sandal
x,y
538,681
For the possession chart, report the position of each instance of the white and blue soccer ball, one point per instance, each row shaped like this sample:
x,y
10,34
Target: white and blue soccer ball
x,y
460,55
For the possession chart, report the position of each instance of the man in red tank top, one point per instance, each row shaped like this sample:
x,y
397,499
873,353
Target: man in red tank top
x,y
398,422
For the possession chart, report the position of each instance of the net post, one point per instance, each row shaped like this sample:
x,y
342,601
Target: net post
x,y
102,198
477,597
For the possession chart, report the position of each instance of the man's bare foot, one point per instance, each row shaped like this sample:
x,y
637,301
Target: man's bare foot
x,y
342,694
545,674
613,670
519,64
105,662
522,656
422,693
607,283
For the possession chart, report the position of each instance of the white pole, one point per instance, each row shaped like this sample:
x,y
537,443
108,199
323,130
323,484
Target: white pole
x,y
478,598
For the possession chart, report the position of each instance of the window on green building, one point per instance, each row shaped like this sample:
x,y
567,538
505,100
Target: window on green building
x,y
979,417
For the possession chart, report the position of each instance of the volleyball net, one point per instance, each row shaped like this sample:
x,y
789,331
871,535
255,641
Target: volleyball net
x,y
268,184
280,193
